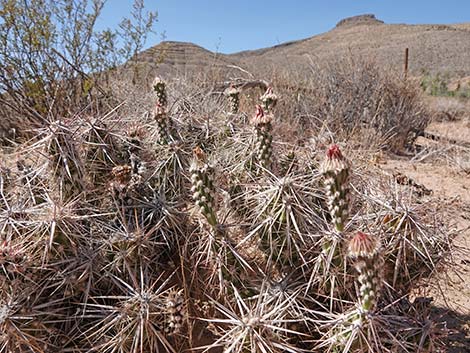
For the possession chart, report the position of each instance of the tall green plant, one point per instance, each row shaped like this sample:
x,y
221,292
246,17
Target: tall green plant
x,y
51,54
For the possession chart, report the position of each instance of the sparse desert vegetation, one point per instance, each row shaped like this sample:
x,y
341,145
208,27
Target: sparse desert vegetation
x,y
215,212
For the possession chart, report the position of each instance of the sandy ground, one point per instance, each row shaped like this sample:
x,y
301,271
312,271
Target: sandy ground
x,y
450,184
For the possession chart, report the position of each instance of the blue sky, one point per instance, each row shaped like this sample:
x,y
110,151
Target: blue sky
x,y
231,26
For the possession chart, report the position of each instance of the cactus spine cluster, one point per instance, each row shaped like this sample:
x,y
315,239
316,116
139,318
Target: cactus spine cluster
x,y
121,265
65,160
336,170
262,123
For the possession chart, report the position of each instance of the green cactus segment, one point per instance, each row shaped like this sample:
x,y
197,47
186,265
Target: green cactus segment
x,y
365,250
263,145
233,95
175,312
336,171
202,180
264,138
161,118
159,88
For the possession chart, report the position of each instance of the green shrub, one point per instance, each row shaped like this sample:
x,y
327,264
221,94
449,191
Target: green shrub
x,y
53,60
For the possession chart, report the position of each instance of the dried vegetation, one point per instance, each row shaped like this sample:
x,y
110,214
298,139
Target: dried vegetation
x,y
195,225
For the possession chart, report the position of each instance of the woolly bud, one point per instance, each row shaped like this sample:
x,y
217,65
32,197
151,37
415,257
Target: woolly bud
x,y
334,161
261,119
363,245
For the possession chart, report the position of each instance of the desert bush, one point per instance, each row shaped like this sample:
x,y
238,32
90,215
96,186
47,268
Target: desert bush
x,y
357,101
439,85
54,61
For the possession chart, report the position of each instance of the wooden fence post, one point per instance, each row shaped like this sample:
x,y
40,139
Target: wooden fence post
x,y
406,63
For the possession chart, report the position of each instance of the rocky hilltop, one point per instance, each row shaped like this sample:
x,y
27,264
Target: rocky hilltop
x,y
434,48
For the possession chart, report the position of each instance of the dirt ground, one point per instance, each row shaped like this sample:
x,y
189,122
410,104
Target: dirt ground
x,y
442,168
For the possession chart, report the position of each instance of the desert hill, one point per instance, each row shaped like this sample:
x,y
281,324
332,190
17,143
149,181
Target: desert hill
x,y
434,48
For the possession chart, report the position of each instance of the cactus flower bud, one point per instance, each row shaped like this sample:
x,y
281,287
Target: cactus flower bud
x,y
364,249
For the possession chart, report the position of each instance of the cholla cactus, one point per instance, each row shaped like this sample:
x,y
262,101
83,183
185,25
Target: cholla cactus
x,y
161,118
269,99
202,179
365,250
175,312
159,87
233,95
336,170
262,124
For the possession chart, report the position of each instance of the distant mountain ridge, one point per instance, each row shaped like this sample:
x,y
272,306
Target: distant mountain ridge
x,y
434,48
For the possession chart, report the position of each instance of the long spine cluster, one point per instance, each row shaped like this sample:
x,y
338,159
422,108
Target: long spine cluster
x,y
65,160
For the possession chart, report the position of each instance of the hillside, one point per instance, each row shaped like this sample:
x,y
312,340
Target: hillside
x,y
433,48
